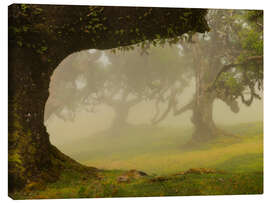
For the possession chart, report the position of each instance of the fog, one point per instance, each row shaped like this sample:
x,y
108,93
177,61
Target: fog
x,y
87,124
108,108
65,133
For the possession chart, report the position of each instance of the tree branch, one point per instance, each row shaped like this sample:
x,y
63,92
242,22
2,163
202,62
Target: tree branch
x,y
183,109
169,107
229,66
157,111
164,115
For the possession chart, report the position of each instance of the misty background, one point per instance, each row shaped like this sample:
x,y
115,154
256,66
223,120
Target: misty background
x,y
66,133
167,104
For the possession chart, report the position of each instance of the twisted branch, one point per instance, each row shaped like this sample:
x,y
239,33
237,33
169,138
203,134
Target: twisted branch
x,y
226,68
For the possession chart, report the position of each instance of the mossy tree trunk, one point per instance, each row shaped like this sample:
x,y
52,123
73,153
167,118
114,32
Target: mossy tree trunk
x,y
31,156
40,37
27,134
206,70
202,108
202,118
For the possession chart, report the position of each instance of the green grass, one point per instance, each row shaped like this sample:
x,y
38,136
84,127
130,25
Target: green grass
x,y
163,152
75,186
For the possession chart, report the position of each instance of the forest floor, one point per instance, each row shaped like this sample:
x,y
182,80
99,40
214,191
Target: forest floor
x,y
226,165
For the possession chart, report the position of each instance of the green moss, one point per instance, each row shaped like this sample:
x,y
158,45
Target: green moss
x,y
14,157
13,137
34,186
31,149
20,44
17,125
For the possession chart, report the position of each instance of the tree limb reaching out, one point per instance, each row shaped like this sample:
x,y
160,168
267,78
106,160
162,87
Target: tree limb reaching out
x,y
229,66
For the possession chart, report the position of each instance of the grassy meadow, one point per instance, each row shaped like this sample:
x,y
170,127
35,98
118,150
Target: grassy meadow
x,y
161,150
226,165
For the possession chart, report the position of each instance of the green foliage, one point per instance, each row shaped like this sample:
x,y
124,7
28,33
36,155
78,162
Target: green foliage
x,y
251,35
232,85
24,7
239,53
252,42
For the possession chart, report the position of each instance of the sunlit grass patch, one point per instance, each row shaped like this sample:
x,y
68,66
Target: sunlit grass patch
x,y
243,163
159,151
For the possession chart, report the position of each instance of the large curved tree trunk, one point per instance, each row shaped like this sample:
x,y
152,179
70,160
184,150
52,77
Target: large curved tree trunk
x,y
40,37
28,139
202,118
31,156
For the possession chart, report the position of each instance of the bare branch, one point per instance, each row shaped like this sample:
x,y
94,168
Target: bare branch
x,y
164,115
172,105
157,111
184,108
169,107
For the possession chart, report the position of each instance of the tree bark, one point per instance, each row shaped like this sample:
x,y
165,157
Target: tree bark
x,y
31,155
202,118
